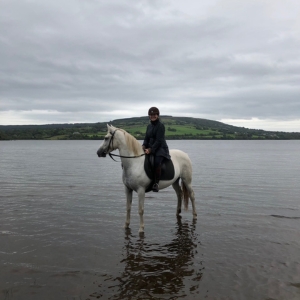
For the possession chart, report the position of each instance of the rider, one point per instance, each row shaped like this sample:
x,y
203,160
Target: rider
x,y
155,143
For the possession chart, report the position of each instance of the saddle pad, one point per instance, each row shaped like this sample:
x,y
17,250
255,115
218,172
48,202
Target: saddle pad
x,y
167,170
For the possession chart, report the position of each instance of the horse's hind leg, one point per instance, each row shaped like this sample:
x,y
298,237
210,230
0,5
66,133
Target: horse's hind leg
x,y
178,191
128,193
188,186
192,197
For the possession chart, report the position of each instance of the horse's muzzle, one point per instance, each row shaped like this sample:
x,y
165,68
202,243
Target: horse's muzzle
x,y
101,154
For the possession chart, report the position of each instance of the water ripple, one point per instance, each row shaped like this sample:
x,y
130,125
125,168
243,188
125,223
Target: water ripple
x,y
285,217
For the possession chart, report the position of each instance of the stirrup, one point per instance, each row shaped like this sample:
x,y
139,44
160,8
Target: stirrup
x,y
155,187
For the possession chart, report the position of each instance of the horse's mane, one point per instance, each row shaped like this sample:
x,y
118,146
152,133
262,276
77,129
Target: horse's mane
x,y
132,142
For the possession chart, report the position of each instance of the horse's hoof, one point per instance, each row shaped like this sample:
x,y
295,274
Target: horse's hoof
x,y
195,217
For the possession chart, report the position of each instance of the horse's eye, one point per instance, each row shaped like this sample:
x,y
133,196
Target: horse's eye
x,y
106,138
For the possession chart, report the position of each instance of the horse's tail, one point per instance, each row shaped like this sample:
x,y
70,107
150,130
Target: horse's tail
x,y
185,195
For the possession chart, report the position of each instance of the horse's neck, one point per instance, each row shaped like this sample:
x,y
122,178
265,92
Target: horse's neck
x,y
124,150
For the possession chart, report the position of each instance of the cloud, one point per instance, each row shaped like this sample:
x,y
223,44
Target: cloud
x,y
94,60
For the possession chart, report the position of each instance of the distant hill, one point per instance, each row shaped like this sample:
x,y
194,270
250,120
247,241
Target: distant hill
x,y
176,128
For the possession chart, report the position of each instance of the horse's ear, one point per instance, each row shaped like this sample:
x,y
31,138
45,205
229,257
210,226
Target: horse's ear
x,y
110,128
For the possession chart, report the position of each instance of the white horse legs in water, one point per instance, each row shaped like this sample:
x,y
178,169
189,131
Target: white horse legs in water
x,y
135,177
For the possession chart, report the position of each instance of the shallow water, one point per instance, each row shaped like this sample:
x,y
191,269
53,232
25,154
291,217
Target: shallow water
x,y
62,210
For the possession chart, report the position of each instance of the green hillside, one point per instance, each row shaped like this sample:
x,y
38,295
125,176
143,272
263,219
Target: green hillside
x,y
176,128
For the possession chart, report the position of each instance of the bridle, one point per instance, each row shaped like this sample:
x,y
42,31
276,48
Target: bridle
x,y
112,145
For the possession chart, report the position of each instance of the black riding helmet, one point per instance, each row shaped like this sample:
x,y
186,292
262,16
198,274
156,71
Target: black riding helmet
x,y
153,111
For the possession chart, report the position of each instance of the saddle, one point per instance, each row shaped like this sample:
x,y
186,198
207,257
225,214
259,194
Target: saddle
x,y
167,170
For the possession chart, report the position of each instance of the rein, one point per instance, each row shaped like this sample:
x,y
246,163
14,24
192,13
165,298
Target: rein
x,y
122,156
111,156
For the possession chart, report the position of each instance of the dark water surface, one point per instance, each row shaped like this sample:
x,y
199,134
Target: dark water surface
x,y
62,210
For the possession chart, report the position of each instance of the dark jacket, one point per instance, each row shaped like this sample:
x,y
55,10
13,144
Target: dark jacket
x,y
155,139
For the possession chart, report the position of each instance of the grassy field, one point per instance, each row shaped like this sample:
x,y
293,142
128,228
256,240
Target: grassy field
x,y
176,128
173,131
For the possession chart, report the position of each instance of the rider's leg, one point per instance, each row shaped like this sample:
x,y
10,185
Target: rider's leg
x,y
157,166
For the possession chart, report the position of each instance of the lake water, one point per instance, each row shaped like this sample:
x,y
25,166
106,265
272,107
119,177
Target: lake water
x,y
62,211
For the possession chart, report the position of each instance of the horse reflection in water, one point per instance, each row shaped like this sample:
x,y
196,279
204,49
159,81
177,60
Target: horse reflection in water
x,y
157,271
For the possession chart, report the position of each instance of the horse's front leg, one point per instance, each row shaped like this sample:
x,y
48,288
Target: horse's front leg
x,y
141,196
128,193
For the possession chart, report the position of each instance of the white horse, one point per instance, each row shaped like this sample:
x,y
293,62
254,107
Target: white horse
x,y
134,175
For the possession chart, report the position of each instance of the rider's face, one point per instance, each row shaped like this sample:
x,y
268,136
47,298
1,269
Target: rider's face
x,y
153,117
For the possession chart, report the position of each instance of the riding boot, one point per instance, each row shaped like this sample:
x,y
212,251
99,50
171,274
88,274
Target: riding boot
x,y
155,187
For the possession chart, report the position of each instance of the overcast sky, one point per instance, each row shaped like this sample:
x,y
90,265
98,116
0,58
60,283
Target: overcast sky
x,y
235,61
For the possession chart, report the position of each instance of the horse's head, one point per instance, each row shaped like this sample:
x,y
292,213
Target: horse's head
x,y
107,144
